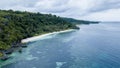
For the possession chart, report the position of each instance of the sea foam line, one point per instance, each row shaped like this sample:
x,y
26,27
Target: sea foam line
x,y
35,38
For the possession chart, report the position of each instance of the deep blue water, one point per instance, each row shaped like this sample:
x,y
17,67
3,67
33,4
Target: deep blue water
x,y
93,46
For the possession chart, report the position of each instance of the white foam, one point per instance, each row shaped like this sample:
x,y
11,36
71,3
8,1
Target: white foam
x,y
30,57
59,64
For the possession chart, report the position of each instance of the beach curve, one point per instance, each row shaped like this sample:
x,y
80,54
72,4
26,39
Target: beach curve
x,y
35,38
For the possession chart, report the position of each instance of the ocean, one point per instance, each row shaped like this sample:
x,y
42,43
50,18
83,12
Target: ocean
x,y
93,46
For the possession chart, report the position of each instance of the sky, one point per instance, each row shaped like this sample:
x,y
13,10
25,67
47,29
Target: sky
x,y
94,10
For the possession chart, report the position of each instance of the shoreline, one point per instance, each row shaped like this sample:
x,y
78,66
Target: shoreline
x,y
35,38
31,39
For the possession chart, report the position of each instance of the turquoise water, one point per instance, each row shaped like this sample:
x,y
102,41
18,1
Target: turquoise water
x,y
93,46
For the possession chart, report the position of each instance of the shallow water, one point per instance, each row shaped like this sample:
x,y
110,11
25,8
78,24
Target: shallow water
x,y
93,46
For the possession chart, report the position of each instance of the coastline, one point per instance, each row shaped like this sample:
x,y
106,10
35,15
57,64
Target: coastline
x,y
35,38
30,39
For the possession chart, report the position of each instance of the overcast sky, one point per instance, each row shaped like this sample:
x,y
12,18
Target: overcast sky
x,y
101,10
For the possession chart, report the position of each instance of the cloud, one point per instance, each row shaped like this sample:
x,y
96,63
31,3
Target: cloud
x,y
107,15
81,9
106,5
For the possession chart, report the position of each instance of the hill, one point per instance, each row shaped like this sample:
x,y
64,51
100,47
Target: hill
x,y
17,25
75,21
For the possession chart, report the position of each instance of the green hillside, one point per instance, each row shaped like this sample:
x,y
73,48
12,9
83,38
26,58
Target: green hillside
x,y
75,21
16,25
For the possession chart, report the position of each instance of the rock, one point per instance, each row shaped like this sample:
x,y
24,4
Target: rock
x,y
4,58
24,46
9,51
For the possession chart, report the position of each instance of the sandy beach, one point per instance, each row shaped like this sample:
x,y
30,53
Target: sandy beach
x,y
35,38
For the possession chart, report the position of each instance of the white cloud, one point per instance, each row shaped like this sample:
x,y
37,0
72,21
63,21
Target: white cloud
x,y
81,9
108,15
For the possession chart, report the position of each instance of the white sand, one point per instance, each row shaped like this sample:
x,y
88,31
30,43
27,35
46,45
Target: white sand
x,y
35,38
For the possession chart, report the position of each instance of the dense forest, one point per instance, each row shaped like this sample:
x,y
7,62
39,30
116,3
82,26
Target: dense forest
x,y
17,25
75,21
